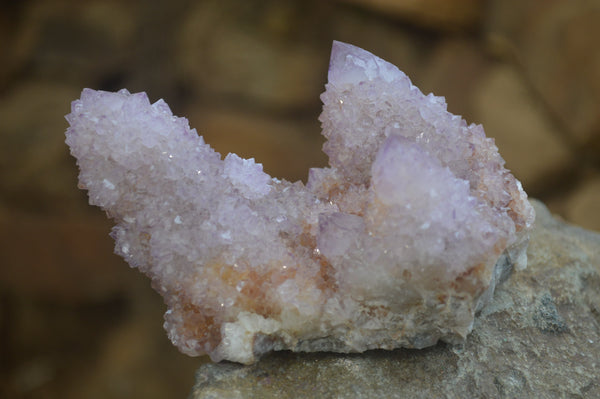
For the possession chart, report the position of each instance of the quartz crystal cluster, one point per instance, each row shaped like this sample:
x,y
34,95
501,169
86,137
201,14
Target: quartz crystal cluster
x,y
398,243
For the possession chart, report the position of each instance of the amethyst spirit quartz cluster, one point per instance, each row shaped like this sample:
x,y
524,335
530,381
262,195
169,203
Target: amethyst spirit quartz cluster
x,y
398,243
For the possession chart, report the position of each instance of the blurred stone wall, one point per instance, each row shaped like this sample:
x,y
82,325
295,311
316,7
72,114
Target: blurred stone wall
x,y
75,321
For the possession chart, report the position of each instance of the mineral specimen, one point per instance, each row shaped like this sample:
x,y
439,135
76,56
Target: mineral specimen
x,y
398,243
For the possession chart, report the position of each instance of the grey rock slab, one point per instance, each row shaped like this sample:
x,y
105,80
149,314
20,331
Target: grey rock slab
x,y
540,337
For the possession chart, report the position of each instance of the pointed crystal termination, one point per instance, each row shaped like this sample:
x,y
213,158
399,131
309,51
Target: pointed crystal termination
x,y
397,244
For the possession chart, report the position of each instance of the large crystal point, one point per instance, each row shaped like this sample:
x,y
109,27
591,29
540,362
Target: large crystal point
x,y
398,243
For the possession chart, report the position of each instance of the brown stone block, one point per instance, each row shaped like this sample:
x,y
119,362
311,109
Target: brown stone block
x,y
436,14
68,260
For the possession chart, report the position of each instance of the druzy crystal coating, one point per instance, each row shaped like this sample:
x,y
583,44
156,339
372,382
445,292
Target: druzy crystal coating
x,y
396,244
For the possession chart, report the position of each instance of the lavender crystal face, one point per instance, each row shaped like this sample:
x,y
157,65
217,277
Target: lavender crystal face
x,y
398,243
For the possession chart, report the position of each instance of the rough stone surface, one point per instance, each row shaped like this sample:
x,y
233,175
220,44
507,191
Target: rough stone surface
x,y
539,338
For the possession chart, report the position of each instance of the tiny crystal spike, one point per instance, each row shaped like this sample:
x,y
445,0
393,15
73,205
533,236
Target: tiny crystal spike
x,y
396,244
